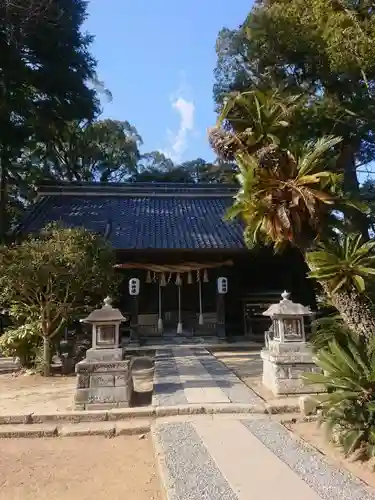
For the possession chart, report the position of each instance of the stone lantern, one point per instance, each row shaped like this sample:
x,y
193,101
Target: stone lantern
x,y
287,356
105,333
103,377
288,320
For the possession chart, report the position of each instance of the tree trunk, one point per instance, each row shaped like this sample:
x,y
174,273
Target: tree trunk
x,y
3,195
358,221
355,309
46,357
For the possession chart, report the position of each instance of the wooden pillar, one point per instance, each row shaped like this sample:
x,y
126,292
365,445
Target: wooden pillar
x,y
220,311
179,324
134,316
200,318
160,319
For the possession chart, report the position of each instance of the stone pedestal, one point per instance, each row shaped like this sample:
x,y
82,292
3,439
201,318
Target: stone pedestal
x,y
104,354
103,380
284,365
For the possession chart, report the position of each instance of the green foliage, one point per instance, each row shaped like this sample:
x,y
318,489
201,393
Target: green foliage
x,y
285,198
318,49
105,150
156,167
343,263
262,117
45,69
23,342
328,329
55,277
348,409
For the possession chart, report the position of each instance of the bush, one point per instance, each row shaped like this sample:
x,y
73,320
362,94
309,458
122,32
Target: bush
x,y
327,329
23,342
348,410
55,278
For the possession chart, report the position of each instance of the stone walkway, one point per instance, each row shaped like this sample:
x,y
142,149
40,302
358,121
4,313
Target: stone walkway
x,y
193,376
246,459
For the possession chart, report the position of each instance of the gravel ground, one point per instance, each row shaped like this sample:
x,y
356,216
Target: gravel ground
x,y
188,468
311,433
328,481
92,468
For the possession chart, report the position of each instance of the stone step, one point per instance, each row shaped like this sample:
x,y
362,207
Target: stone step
x,y
128,414
106,429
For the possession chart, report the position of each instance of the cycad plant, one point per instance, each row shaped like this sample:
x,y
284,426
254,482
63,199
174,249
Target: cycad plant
x,y
348,407
327,329
286,198
290,195
342,267
252,121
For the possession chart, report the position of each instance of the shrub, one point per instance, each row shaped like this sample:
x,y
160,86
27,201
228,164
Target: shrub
x,y
348,409
327,329
54,278
23,342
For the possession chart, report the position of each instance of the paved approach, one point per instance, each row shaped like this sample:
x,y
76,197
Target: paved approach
x,y
246,459
233,457
194,376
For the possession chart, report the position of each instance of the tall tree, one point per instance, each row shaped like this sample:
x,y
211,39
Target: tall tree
x,y
102,150
45,67
156,167
289,195
324,49
42,284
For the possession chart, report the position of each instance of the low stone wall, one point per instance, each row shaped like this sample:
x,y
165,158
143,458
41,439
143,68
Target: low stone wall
x,y
102,385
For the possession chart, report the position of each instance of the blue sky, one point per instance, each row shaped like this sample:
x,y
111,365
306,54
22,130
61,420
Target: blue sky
x,y
157,58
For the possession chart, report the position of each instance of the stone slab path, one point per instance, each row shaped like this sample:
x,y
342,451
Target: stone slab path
x,y
192,376
246,459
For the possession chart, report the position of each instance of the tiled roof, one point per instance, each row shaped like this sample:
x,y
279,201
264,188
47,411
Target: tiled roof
x,y
143,215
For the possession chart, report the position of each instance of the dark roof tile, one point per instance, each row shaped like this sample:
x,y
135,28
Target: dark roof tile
x,y
144,217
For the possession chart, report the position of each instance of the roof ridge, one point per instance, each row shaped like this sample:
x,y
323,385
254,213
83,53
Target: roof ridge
x,y
138,189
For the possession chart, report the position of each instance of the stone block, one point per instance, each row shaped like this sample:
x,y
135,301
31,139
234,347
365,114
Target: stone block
x,y
275,347
288,359
284,366
298,371
71,416
88,429
168,411
133,427
129,413
279,371
83,367
308,405
82,395
108,395
28,431
21,418
108,366
102,380
83,381
104,354
96,407
295,386
122,380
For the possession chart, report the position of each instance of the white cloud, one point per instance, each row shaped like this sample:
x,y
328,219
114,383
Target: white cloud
x,y
178,140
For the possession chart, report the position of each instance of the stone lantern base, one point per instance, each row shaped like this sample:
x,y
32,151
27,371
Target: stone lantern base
x,y
284,365
103,383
